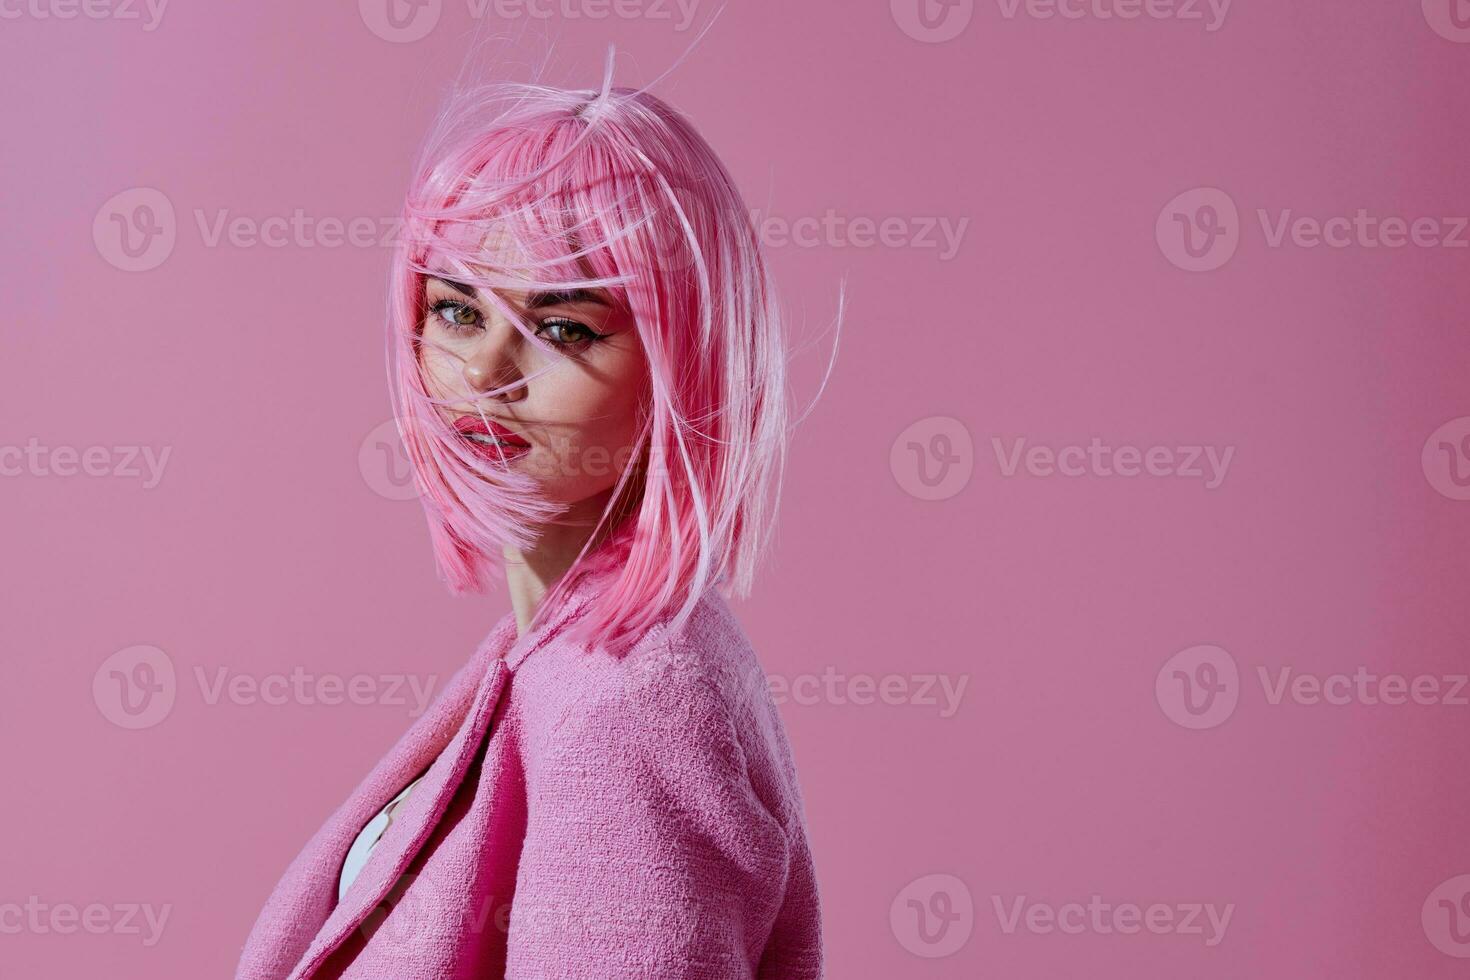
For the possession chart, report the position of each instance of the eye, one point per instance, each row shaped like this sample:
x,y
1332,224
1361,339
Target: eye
x,y
455,316
568,333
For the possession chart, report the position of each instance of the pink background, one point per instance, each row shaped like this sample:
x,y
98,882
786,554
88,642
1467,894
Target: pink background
x,y
271,544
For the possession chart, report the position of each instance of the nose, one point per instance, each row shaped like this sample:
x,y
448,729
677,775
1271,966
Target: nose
x,y
493,362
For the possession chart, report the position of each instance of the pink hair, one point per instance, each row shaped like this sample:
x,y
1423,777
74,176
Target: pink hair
x,y
610,189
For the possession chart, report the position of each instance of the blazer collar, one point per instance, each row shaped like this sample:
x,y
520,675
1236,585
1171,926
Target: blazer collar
x,y
445,739
574,602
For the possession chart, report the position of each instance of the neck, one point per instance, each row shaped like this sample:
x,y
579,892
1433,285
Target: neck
x,y
531,573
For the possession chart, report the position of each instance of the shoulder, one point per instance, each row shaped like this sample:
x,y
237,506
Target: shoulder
x,y
688,709
707,664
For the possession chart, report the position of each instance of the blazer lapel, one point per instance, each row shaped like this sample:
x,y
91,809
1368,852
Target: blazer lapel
x,y
448,752
303,923
299,920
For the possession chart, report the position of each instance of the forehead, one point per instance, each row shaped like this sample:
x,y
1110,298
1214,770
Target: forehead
x,y
501,247
537,297
499,254
496,251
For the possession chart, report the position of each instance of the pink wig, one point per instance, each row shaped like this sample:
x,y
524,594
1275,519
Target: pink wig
x,y
615,190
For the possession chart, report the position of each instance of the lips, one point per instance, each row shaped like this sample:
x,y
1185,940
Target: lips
x,y
489,439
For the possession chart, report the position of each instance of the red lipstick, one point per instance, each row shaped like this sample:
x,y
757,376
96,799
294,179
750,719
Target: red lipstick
x,y
490,440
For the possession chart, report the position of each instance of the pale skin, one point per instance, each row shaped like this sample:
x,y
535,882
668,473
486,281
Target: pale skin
x,y
580,418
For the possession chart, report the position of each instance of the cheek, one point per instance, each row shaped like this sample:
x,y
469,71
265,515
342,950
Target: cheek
x,y
442,371
593,413
597,415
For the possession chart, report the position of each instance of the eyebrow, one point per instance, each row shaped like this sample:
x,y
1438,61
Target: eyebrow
x,y
536,301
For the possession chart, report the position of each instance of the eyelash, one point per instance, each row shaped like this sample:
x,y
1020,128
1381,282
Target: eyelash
x,y
438,308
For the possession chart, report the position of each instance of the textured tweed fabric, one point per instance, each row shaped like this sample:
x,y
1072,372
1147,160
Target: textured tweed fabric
x,y
581,816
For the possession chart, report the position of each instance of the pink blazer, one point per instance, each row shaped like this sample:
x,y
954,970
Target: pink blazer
x,y
582,816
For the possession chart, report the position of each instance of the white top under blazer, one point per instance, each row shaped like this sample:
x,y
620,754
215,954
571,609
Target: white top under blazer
x,y
367,839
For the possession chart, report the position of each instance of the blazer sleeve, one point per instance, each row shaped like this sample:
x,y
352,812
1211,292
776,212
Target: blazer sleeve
x,y
647,851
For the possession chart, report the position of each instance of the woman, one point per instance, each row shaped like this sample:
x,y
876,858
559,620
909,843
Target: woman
x,y
589,371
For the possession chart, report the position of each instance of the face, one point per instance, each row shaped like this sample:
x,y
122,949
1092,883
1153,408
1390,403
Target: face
x,y
572,426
